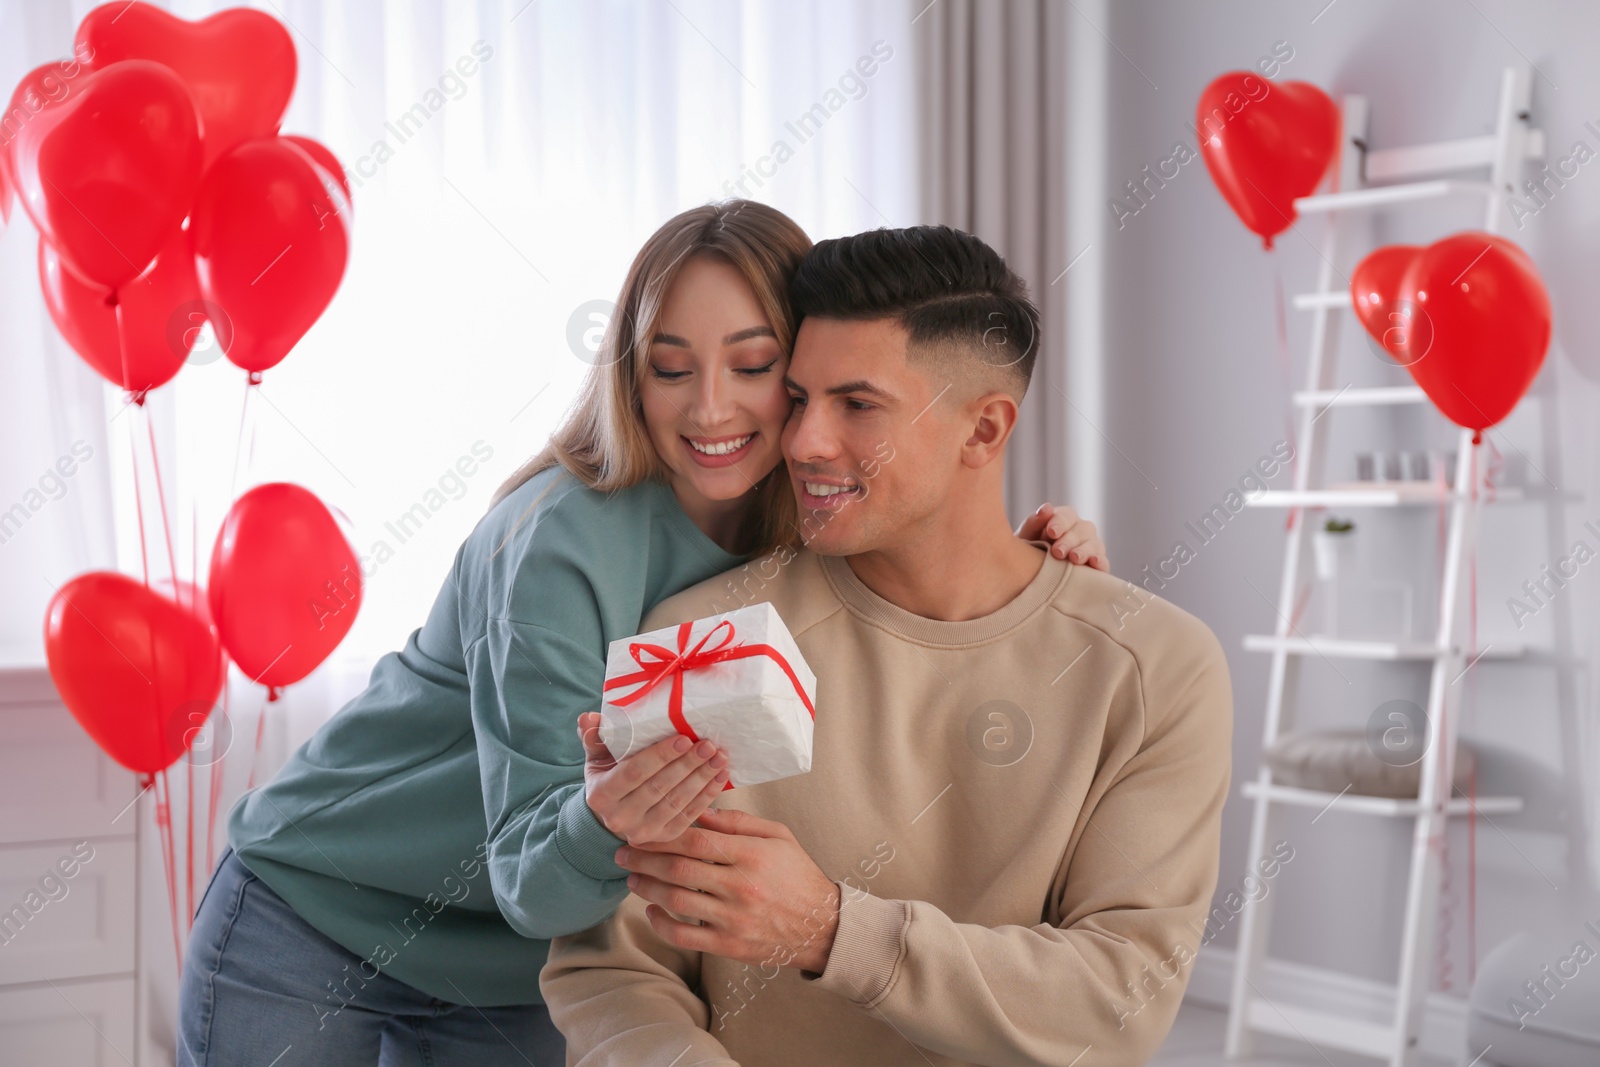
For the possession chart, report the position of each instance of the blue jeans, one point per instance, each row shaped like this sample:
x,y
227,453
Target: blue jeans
x,y
255,987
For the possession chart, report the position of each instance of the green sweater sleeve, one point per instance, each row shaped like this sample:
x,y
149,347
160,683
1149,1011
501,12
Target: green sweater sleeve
x,y
539,664
550,859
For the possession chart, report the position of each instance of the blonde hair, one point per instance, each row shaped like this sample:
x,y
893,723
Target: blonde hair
x,y
603,441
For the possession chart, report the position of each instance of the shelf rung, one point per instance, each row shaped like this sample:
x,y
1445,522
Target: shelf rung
x,y
1348,498
1340,648
1347,398
1320,1027
1358,804
1370,495
1334,298
1349,648
1387,164
1383,195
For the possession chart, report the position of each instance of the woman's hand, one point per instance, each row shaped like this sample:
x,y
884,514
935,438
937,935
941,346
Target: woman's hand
x,y
1072,538
654,794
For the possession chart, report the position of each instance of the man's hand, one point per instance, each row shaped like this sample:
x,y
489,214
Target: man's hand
x,y
758,896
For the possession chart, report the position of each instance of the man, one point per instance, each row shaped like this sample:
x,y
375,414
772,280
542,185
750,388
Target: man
x,y
1007,843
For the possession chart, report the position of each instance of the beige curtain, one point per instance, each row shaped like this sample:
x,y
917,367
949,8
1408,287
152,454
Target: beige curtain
x,y
992,134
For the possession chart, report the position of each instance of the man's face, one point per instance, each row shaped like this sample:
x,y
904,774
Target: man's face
x,y
870,454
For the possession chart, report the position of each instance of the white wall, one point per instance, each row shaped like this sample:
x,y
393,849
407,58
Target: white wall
x,y
1195,395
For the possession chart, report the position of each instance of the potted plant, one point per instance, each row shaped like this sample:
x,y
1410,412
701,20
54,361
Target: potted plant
x,y
1332,544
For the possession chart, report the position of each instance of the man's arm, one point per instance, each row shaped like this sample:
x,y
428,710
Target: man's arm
x,y
1107,973
623,997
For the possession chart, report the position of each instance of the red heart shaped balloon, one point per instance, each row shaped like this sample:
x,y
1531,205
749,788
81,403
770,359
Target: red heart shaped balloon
x,y
156,332
1402,329
40,88
1266,144
108,171
322,157
271,243
239,64
285,584
134,666
1490,317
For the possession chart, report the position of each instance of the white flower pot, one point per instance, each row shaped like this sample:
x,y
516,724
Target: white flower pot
x,y
1333,551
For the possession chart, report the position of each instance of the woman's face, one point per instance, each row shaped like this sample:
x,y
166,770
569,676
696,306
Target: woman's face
x,y
713,394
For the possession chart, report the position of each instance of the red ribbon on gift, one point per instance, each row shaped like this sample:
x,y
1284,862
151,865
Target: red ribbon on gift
x,y
664,663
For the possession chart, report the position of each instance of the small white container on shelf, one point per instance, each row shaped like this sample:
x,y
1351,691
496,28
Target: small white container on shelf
x,y
1334,549
1333,546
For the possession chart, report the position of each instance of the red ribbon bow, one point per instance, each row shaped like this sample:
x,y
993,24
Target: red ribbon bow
x,y
665,663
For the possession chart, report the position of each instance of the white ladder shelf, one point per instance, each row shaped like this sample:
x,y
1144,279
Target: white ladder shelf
x,y
1503,153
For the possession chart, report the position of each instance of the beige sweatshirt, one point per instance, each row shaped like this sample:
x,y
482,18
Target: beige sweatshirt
x,y
1022,813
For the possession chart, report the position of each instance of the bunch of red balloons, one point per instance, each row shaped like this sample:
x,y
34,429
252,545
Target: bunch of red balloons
x,y
1467,316
151,164
140,667
165,198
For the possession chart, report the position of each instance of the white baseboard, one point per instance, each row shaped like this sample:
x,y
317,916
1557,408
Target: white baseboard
x,y
1444,1024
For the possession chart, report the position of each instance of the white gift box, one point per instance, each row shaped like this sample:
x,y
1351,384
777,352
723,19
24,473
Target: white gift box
x,y
732,688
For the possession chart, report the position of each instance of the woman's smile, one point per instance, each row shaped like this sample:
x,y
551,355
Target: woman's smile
x,y
719,451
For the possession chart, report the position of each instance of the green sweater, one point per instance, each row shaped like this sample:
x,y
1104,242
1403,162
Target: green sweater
x,y
436,826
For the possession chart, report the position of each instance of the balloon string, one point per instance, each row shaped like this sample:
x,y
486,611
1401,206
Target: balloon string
x,y
1447,910
250,453
188,812
1472,879
138,504
164,826
1491,471
192,598
1472,692
216,770
1472,564
1442,969
161,498
158,780
160,725
122,347
161,712
1442,498
255,755
238,445
134,396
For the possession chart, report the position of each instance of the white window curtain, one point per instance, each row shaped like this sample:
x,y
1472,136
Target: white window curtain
x,y
508,158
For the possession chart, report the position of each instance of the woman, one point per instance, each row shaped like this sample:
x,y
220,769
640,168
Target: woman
x,y
388,897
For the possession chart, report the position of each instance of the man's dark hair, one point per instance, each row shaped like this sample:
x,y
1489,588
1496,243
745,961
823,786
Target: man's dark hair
x,y
953,294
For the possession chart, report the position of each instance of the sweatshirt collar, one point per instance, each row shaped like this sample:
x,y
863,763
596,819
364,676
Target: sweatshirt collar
x,y
854,593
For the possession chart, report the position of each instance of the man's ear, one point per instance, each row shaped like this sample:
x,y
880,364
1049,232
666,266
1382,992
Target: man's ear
x,y
993,416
